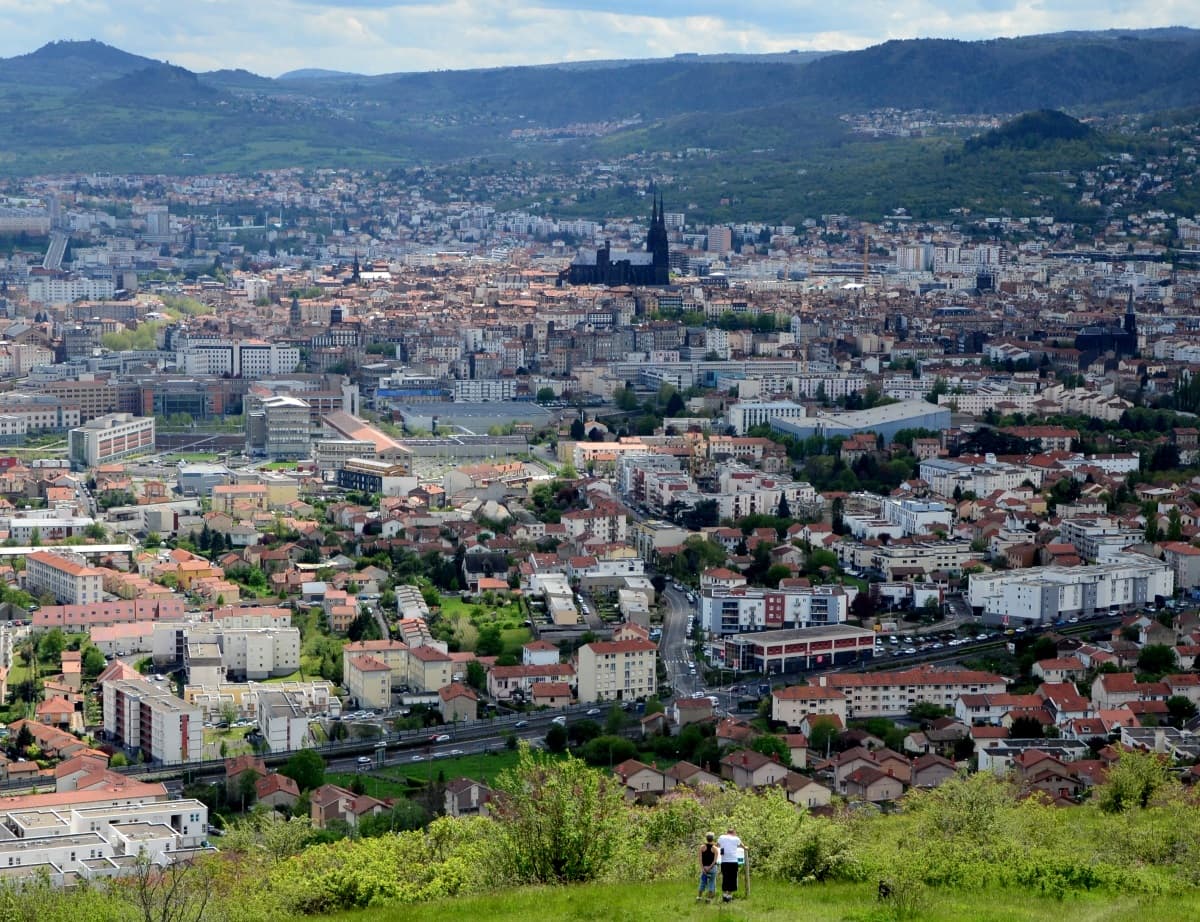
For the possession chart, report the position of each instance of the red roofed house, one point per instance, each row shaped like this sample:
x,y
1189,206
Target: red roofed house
x,y
277,791
624,670
1060,669
641,780
749,769
872,785
458,703
550,695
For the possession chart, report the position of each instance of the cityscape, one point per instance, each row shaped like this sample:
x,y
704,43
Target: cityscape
x,y
341,501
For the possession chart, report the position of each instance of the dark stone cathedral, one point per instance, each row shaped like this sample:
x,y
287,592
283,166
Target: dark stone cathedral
x,y
608,267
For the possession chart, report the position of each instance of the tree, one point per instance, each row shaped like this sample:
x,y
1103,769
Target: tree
x,y
178,892
1174,525
545,394
1151,529
93,662
556,739
559,821
247,788
821,739
1026,728
614,723
608,750
784,511
490,641
1133,780
306,768
1156,659
476,675
771,745
52,643
1180,710
577,430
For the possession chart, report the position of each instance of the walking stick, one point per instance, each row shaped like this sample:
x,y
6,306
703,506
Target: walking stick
x,y
747,857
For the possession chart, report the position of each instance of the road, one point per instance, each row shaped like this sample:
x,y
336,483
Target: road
x,y
674,647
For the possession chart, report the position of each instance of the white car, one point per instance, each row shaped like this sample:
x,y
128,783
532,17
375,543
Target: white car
x,y
560,720
364,760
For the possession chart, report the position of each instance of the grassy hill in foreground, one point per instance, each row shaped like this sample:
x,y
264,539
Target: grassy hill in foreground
x,y
770,900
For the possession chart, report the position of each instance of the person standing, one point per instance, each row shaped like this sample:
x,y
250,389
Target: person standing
x,y
729,846
708,868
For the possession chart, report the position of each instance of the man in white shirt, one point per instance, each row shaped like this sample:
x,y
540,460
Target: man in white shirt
x,y
731,848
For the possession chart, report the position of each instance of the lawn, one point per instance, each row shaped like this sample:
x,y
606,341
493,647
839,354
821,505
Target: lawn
x,y
191,456
466,618
779,902
234,739
484,766
280,466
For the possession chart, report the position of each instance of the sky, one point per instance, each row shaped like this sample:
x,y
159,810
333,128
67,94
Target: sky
x,y
270,37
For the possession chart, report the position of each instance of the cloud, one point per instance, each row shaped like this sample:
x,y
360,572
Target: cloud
x,y
379,36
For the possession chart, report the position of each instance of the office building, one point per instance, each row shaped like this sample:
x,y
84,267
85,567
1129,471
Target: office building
x,y
110,438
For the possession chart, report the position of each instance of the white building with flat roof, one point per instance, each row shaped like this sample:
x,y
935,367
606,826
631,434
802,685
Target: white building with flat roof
x,y
108,438
1041,595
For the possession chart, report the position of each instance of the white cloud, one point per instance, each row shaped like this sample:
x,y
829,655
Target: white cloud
x,y
379,36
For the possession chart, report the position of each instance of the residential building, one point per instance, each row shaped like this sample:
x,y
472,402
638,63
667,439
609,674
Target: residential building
x,y
622,670
109,438
743,609
793,704
283,720
147,719
888,694
1041,595
67,578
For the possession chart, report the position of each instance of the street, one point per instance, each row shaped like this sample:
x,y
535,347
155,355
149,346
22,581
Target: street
x,y
675,648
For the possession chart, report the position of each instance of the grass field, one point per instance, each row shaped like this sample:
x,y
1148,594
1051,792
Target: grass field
x,y
190,456
780,902
783,903
391,781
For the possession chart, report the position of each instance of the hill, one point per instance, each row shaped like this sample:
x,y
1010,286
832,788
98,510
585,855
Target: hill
x,y
774,133
159,85
1031,130
69,65
774,901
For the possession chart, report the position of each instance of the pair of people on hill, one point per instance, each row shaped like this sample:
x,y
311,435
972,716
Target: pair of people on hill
x,y
721,852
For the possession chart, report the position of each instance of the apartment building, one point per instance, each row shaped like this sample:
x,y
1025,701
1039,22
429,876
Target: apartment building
x,y
944,476
98,833
368,681
745,415
144,718
429,668
793,704
1098,536
67,578
740,609
888,694
250,654
109,438
620,670
283,720
279,427
1041,595
907,559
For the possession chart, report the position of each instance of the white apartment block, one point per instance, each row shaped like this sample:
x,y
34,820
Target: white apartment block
x,y
283,721
746,415
945,475
317,698
621,670
142,717
888,694
368,681
250,654
70,834
1097,537
745,492
68,290
108,438
1040,595
916,517
249,359
68,579
741,610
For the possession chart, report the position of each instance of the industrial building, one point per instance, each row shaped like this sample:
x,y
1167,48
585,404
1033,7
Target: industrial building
x,y
885,420
800,649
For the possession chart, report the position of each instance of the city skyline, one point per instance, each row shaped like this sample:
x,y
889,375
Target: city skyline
x,y
386,36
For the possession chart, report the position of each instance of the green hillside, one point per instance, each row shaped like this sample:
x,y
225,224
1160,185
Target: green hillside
x,y
769,900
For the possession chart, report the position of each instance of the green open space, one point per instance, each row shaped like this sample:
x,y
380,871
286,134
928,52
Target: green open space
x,y
191,456
772,900
460,621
